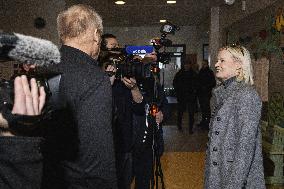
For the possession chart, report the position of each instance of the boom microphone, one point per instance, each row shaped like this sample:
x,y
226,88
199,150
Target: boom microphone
x,y
28,49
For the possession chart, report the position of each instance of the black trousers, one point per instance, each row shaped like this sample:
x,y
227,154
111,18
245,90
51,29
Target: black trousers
x,y
124,170
143,169
204,102
20,162
182,107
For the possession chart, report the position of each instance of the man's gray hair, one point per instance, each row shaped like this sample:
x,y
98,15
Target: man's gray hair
x,y
76,20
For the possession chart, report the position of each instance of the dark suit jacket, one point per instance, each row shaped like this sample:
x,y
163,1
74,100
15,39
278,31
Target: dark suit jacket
x,y
206,82
185,85
139,118
123,110
20,162
82,140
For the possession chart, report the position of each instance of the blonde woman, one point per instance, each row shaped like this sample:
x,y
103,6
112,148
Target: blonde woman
x,y
234,157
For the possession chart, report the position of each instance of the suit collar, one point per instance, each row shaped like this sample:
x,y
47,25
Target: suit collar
x,y
73,55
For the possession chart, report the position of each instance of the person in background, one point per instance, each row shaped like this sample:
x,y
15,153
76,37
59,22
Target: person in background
x,y
185,86
234,153
206,82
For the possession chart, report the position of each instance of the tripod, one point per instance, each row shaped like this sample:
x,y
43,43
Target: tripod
x,y
151,117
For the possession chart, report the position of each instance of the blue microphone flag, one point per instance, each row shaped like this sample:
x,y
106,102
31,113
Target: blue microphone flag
x,y
139,49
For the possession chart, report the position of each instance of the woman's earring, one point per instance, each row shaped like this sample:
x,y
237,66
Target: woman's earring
x,y
240,74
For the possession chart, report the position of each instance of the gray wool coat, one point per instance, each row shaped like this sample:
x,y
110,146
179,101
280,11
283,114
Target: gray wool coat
x,y
234,153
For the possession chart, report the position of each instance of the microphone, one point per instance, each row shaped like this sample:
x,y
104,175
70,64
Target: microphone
x,y
28,49
32,50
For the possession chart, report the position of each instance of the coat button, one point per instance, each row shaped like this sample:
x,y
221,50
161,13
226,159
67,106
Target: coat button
x,y
214,149
218,119
215,163
216,132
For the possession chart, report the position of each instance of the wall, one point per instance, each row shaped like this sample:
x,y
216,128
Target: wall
x,y
234,13
192,36
141,36
18,16
251,25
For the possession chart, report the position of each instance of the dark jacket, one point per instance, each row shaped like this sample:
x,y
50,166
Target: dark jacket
x,y
234,157
82,139
206,82
139,118
185,85
122,117
20,162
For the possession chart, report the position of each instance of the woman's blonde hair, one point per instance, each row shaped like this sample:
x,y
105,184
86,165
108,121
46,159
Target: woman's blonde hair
x,y
241,55
76,20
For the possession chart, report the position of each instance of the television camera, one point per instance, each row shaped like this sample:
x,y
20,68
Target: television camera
x,y
129,62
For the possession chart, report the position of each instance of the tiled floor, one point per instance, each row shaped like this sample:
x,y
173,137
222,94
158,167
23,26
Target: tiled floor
x,y
183,160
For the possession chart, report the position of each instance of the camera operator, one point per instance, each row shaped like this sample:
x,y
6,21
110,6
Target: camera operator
x,y
143,138
81,142
21,158
125,95
129,126
109,41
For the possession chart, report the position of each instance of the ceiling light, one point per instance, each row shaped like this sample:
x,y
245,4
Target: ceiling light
x,y
120,2
163,21
171,2
229,2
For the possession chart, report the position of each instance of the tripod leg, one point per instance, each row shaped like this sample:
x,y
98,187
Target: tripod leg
x,y
161,174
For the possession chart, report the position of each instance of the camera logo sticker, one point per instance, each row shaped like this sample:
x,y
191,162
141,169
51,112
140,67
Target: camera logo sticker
x,y
139,49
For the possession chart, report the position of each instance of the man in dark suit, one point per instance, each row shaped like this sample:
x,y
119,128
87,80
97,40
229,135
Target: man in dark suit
x,y
80,149
206,82
185,85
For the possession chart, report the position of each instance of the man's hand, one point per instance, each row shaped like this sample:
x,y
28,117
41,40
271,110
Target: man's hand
x,y
159,117
28,100
111,69
132,85
129,83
